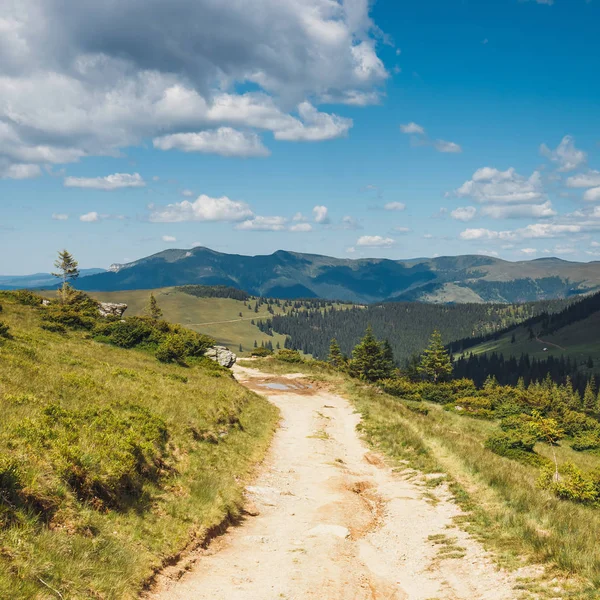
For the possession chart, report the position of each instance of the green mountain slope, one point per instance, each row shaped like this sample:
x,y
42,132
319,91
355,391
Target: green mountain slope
x,y
110,461
295,275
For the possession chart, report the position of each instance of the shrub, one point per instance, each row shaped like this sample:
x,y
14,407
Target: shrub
x,y
24,297
171,349
475,406
289,356
129,333
441,393
4,330
514,445
68,315
589,440
261,352
574,422
417,408
572,484
401,388
53,327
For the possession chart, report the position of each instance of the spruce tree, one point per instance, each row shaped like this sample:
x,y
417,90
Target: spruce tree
x,y
589,396
435,362
368,362
153,310
67,270
336,358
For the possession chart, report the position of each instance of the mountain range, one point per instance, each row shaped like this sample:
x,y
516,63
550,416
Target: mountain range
x,y
37,280
451,279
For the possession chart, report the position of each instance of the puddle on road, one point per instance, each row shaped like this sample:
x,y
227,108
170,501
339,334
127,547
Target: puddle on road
x,y
275,386
284,387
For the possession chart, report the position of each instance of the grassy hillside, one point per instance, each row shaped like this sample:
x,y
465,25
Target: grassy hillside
x,y
111,462
216,317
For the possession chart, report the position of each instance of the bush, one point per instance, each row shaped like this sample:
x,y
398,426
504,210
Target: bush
x,y
440,393
289,356
129,333
574,422
418,409
590,440
475,406
261,352
573,484
4,330
24,297
171,349
515,445
401,388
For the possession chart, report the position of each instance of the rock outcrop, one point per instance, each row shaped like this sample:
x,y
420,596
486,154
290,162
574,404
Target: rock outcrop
x,y
110,309
222,355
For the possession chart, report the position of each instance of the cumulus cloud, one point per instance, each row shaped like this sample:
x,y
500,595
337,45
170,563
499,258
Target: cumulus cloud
x,y
103,76
168,238
108,183
321,215
301,227
204,208
491,186
566,155
584,180
592,195
398,206
534,231
464,213
447,147
18,170
412,128
225,141
90,217
375,241
516,211
263,224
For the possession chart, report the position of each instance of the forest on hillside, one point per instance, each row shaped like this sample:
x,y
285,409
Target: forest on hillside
x,y
407,326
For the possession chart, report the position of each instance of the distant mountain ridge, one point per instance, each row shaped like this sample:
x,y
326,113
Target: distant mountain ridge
x,y
37,280
468,278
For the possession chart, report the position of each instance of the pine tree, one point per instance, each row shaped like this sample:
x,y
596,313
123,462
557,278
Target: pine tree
x,y
388,355
153,310
241,349
589,396
68,271
336,358
435,363
368,361
255,344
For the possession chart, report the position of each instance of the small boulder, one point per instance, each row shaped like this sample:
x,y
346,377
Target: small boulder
x,y
110,309
221,355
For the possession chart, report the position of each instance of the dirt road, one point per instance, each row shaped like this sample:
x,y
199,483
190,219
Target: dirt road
x,y
333,522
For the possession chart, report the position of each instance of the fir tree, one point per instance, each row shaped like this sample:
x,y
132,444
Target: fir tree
x,y
368,361
153,310
241,349
589,396
435,362
336,358
67,270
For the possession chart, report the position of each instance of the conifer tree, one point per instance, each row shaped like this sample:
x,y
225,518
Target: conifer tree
x,y
153,310
368,361
336,358
241,349
435,362
67,270
589,396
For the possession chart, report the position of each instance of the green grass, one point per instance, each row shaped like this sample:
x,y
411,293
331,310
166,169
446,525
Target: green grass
x,y
111,462
578,341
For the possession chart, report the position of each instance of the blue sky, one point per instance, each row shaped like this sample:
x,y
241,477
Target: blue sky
x,y
390,130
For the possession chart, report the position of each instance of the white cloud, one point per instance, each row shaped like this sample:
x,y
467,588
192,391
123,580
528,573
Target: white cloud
x,y
168,238
447,147
515,211
534,231
592,195
398,206
90,217
488,252
187,193
314,127
108,75
595,244
108,183
301,227
464,213
350,223
375,241
60,216
225,141
263,224
491,186
204,208
299,217
566,155
412,128
402,230
351,250
584,180
320,215
528,251
18,170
